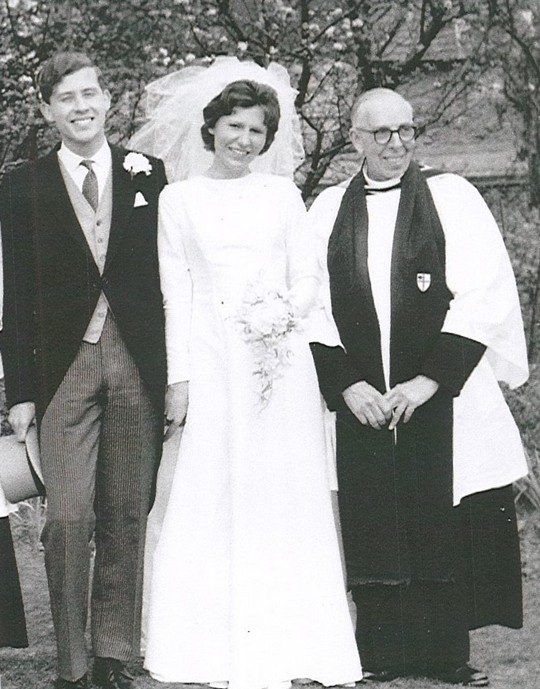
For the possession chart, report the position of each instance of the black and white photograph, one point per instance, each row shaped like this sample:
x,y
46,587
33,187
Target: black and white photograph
x,y
270,344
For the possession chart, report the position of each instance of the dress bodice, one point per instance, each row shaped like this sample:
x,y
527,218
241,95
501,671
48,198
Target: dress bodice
x,y
219,236
243,230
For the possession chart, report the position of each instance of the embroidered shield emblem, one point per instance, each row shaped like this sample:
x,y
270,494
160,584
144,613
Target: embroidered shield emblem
x,y
423,281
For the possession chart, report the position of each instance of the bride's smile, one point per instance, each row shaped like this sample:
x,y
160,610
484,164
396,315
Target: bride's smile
x,y
238,139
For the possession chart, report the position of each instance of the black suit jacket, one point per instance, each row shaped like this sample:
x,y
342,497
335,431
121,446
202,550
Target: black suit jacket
x,y
52,283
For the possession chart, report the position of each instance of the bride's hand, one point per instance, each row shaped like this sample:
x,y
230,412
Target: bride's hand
x,y
176,404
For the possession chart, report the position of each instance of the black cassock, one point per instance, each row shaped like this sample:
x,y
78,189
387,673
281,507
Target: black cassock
x,y
410,555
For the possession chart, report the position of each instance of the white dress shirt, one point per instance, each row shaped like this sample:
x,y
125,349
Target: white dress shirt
x,y
102,165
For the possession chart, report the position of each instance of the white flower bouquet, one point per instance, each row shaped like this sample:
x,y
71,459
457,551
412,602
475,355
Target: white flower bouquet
x,y
266,318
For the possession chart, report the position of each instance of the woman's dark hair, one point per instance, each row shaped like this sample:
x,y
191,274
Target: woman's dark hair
x,y
242,94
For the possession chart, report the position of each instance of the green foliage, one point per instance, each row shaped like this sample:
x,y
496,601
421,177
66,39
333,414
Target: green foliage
x,y
330,49
520,225
525,405
514,51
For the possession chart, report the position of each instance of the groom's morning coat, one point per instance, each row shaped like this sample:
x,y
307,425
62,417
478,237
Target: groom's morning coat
x,y
52,283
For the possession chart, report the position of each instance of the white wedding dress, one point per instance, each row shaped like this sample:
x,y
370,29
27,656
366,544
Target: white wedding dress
x,y
247,585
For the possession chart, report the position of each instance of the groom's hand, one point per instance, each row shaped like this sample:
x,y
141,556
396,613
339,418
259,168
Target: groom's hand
x,y
21,417
367,404
176,404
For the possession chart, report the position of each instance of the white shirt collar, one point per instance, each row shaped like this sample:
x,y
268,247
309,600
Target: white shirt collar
x,y
71,161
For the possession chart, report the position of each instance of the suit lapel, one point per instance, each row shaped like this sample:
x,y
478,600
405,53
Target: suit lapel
x,y
123,191
55,198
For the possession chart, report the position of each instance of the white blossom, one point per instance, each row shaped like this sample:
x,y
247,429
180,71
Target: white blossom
x,y
135,163
527,16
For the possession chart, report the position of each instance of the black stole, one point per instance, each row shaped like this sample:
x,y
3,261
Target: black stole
x,y
395,498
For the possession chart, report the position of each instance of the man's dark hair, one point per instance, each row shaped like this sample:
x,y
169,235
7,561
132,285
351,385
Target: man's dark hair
x,y
60,65
242,94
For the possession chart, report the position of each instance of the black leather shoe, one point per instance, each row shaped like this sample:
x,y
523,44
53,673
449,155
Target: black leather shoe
x,y
81,683
378,676
465,675
110,673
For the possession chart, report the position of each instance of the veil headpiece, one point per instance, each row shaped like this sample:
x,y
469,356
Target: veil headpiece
x,y
174,106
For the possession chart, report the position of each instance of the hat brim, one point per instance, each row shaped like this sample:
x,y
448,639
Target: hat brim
x,y
20,468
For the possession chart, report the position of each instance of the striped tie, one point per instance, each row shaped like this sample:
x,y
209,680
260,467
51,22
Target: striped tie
x,y
90,185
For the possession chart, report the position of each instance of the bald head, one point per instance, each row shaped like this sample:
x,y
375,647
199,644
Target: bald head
x,y
378,99
382,115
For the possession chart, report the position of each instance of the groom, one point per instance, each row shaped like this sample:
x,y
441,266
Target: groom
x,y
84,356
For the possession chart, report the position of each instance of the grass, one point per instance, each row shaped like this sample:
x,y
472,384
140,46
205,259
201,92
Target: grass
x,y
510,657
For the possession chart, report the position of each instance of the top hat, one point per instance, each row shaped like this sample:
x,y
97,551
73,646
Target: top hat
x,y
20,468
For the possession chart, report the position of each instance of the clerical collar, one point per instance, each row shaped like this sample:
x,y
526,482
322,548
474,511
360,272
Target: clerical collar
x,y
374,186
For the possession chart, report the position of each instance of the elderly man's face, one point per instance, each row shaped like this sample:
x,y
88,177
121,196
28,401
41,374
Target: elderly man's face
x,y
391,159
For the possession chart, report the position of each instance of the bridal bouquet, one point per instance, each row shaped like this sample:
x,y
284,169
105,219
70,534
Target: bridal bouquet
x,y
266,318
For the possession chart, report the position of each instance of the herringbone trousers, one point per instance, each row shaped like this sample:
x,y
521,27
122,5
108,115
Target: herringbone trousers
x,y
100,441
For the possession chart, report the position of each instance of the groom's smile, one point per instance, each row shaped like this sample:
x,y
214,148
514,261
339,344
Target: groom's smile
x,y
78,107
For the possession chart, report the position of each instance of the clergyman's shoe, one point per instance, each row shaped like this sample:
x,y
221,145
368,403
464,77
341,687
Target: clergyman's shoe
x,y
379,676
110,673
81,683
465,675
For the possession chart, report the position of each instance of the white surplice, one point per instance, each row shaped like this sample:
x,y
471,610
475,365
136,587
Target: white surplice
x,y
247,585
487,449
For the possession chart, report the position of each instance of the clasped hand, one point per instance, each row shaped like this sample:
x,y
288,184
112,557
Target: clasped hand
x,y
372,408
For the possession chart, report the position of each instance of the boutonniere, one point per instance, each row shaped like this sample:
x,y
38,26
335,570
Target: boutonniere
x,y
137,162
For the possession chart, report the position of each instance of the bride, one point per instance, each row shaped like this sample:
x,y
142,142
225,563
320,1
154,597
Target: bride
x,y
247,587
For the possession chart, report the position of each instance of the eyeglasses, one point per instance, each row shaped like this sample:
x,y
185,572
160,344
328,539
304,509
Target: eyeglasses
x,y
406,133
